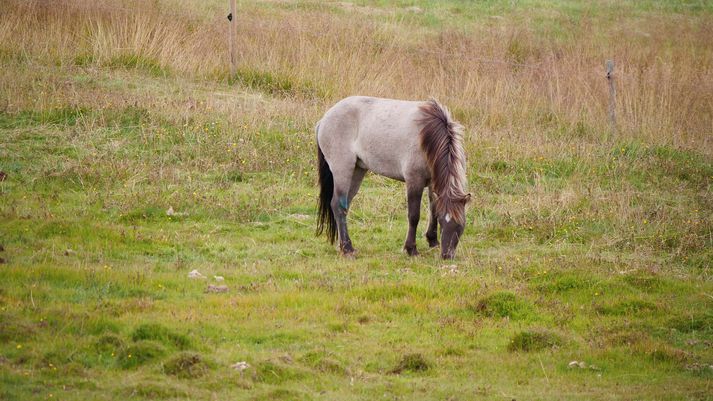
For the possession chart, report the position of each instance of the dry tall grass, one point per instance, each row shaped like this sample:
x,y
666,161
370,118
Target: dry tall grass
x,y
502,76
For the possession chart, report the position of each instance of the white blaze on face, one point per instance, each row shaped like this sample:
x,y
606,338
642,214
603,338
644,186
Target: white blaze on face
x,y
448,217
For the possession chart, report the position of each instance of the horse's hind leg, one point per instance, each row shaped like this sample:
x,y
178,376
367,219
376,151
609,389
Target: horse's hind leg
x,y
413,194
340,205
432,231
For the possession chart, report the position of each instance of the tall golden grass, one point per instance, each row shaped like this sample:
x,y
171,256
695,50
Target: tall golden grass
x,y
502,76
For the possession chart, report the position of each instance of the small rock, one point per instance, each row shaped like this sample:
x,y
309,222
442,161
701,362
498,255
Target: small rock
x,y
195,274
573,364
449,270
219,278
216,288
240,366
68,252
171,212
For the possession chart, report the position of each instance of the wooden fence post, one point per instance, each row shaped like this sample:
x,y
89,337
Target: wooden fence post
x,y
232,33
612,95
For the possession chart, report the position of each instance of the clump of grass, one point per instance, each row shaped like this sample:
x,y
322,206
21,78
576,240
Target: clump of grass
x,y
534,340
273,83
282,394
452,351
643,280
700,322
626,337
135,61
414,362
628,307
339,327
157,332
14,328
364,319
506,304
109,343
186,365
323,362
152,390
139,354
562,282
274,372
657,351
62,116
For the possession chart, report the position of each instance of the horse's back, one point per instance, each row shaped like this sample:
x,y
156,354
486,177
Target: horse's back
x,y
382,134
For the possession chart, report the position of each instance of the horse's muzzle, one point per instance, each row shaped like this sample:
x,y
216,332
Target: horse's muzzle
x,y
448,255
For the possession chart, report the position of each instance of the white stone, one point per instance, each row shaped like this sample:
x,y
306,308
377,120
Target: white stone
x,y
195,274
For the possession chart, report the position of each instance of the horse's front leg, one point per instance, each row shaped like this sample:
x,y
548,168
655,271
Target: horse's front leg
x,y
432,231
413,194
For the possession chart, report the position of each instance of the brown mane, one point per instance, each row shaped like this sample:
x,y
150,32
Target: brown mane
x,y
441,140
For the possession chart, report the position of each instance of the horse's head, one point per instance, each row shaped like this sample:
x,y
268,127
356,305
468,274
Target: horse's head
x,y
452,228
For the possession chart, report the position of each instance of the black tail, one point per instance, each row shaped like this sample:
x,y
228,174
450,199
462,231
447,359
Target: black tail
x,y
325,220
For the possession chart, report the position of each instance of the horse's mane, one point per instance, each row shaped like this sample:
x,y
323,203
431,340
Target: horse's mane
x,y
441,140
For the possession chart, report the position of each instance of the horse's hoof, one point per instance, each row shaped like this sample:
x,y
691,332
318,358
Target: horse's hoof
x,y
433,244
349,254
411,251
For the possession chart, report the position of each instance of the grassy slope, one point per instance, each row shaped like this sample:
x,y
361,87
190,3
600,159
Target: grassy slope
x,y
576,250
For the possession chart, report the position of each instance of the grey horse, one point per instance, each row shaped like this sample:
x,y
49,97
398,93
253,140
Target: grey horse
x,y
416,142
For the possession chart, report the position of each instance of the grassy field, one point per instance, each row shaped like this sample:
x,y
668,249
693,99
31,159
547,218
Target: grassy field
x,y
582,244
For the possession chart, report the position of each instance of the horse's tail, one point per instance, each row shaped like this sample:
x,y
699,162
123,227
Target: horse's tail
x,y
325,220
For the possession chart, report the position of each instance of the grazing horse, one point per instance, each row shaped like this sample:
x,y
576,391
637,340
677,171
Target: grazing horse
x,y
414,142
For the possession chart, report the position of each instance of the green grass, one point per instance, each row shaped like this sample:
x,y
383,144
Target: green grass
x,y
583,249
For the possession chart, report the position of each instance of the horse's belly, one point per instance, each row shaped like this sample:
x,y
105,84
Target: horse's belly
x,y
383,159
381,169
